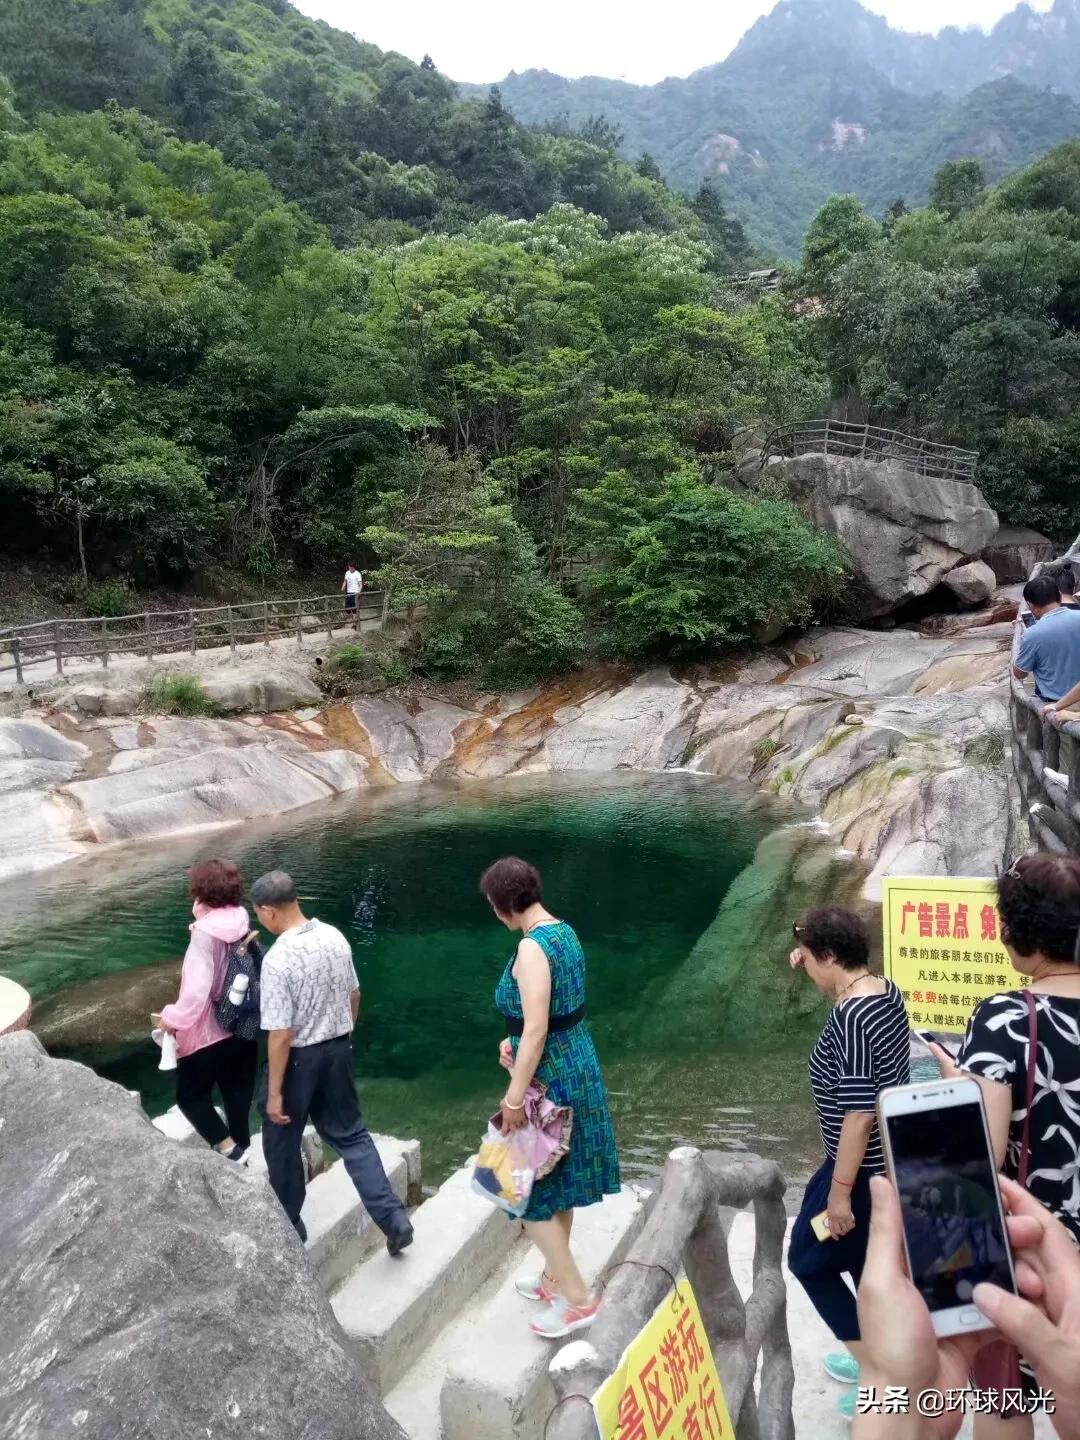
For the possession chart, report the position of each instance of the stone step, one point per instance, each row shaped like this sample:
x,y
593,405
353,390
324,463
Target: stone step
x,y
391,1310
497,1386
486,1375
414,1400
341,1234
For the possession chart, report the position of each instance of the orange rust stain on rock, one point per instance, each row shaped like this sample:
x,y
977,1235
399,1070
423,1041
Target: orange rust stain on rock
x,y
526,728
345,732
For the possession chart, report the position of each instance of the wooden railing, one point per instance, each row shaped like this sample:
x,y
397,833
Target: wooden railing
x,y
871,442
165,632
1046,762
685,1233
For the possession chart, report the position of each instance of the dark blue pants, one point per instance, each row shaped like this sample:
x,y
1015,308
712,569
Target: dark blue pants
x,y
320,1086
820,1265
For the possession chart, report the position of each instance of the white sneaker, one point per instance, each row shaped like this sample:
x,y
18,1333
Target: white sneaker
x,y
561,1319
534,1287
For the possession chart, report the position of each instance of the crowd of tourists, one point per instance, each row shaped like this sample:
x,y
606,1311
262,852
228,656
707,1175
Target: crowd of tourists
x,y
1019,1043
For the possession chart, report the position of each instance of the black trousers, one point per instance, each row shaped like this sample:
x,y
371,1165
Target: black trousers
x,y
320,1085
820,1265
230,1067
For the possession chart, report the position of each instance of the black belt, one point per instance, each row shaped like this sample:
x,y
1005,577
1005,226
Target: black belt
x,y
514,1026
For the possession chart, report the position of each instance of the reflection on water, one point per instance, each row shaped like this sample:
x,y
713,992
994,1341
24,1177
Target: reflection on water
x,y
639,864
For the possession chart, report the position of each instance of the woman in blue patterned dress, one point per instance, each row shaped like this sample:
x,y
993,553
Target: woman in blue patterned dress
x,y
542,998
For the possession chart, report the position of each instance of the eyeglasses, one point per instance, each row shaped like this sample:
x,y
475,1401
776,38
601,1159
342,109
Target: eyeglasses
x,y
796,929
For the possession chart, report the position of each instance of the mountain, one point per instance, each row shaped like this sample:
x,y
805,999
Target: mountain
x,y
821,95
372,145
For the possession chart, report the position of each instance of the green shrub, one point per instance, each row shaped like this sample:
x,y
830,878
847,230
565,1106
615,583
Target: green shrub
x,y
178,695
351,659
110,598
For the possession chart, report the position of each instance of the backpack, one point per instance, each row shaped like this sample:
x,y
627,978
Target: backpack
x,y
243,957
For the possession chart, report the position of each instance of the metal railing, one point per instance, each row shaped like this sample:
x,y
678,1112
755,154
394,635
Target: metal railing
x,y
685,1232
166,632
871,442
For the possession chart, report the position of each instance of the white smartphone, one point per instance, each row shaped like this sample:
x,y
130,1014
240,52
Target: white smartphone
x,y
937,1147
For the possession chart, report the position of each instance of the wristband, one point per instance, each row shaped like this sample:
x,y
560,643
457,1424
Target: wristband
x,y
514,1107
847,1184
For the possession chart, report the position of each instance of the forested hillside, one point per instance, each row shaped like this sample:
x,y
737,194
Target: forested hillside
x,y
525,428
372,145
821,96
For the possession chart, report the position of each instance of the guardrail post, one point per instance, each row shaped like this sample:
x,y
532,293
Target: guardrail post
x,y
104,642
58,646
299,622
191,623
16,655
266,623
148,627
232,634
329,620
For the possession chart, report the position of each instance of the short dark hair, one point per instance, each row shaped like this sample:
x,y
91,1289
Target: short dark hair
x,y
511,885
274,889
1039,899
1043,590
839,933
216,883
1065,578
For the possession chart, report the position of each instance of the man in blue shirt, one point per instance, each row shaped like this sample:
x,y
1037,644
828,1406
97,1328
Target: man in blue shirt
x,y
1050,650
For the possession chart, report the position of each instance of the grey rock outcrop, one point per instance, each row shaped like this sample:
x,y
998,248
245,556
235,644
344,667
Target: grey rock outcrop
x,y
151,1290
972,583
904,532
1014,553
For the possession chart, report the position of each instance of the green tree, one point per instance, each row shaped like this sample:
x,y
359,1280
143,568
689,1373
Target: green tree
x,y
958,187
693,567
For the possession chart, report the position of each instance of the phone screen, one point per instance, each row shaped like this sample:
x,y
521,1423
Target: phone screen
x,y
949,1199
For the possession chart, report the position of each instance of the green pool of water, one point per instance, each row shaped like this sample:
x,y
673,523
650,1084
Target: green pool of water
x,y
639,864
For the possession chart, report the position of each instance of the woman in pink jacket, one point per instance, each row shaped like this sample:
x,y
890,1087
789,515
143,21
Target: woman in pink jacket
x,y
207,1056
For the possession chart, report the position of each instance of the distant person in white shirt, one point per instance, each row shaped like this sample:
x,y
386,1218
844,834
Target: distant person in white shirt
x,y
352,586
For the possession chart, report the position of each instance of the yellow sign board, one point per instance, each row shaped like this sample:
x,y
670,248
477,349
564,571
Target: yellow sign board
x,y
666,1386
943,948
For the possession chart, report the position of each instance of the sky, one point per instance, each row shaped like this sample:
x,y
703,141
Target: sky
x,y
482,40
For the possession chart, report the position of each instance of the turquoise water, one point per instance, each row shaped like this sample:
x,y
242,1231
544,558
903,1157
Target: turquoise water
x,y
639,864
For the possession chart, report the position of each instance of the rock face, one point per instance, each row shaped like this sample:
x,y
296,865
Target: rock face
x,y
1014,553
972,584
184,1303
854,724
904,532
120,780
862,727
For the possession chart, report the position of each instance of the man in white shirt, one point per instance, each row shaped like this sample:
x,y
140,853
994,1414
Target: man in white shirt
x,y
352,585
310,996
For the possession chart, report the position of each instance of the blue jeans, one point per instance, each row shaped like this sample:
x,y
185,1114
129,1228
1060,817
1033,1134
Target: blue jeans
x,y
320,1086
820,1265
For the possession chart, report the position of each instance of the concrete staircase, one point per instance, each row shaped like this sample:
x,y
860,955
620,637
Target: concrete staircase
x,y
441,1331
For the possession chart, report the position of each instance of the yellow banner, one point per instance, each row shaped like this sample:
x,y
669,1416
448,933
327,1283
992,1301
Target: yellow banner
x,y
943,948
666,1386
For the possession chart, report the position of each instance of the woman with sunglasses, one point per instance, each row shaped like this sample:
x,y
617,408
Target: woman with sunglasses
x,y
864,1046
1039,905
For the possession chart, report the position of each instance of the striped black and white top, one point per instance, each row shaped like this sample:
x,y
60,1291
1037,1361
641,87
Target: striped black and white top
x,y
863,1048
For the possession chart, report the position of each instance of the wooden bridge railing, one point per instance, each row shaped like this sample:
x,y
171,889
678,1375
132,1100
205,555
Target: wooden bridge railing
x,y
871,442
165,632
1046,761
685,1232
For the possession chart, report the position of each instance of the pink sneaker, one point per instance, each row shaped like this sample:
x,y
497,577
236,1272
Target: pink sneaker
x,y
561,1319
534,1287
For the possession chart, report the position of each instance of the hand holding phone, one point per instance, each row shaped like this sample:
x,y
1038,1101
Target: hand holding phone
x,y
939,1155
